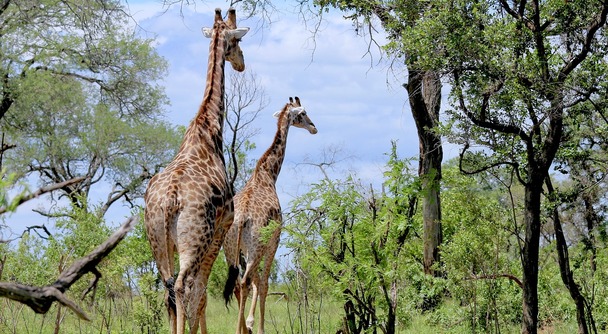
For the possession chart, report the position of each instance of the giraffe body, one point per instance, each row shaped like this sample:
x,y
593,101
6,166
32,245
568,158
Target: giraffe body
x,y
256,230
189,205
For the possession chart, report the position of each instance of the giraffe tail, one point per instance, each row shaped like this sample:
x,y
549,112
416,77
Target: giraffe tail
x,y
233,274
233,268
170,285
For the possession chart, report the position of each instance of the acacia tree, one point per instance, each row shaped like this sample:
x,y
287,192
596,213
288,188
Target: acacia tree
x,y
516,69
79,98
577,206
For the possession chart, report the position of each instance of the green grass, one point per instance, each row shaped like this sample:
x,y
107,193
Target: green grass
x,y
282,316
117,317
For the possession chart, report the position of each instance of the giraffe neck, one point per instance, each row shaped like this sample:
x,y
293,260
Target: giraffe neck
x,y
206,129
271,161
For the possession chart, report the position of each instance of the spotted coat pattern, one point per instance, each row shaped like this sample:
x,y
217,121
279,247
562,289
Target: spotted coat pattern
x,y
189,205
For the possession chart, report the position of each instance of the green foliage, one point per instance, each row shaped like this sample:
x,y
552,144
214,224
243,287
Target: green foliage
x,y
80,97
149,312
10,182
267,231
350,242
218,276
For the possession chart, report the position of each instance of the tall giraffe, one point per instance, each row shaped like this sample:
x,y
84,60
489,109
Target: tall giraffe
x,y
255,207
189,205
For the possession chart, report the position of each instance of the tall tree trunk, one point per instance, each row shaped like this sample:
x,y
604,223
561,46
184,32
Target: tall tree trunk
x,y
424,90
530,254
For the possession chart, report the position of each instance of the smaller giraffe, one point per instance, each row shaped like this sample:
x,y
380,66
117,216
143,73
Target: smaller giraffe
x,y
257,207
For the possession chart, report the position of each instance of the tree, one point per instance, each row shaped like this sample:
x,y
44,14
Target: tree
x,y
577,202
79,98
40,298
516,70
480,261
352,239
80,107
245,98
423,87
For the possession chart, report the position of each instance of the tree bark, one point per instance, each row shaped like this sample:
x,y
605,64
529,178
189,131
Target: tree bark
x,y
564,268
530,256
424,90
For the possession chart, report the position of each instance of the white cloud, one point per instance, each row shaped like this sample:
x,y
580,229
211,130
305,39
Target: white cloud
x,y
349,101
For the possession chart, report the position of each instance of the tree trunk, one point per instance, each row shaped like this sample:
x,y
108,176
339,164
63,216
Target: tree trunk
x,y
530,254
424,90
564,268
567,277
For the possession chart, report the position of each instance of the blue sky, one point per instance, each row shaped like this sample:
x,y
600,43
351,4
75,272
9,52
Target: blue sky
x,y
358,108
356,102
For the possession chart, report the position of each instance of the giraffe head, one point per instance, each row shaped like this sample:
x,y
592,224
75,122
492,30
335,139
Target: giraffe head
x,y
297,115
232,36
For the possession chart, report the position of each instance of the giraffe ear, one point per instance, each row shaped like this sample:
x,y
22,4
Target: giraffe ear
x,y
237,33
297,110
277,113
207,32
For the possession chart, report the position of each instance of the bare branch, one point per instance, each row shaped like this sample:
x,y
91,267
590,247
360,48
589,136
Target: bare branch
x,y
92,285
44,190
116,193
515,165
40,299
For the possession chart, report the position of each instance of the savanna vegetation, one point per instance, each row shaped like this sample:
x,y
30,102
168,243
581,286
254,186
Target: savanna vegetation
x,y
508,236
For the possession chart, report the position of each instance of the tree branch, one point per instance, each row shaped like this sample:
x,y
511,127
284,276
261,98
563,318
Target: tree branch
x,y
44,190
495,276
597,23
482,121
40,299
487,167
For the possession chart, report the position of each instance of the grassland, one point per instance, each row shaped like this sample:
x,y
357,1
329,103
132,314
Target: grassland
x,y
283,316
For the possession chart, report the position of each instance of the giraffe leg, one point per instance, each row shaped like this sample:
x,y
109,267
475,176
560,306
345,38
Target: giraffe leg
x,y
263,292
263,279
248,278
186,299
180,315
190,295
170,304
244,292
254,300
223,224
163,249
202,316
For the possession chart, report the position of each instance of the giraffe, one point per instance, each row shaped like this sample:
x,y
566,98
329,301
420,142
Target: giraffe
x,y
189,205
255,207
